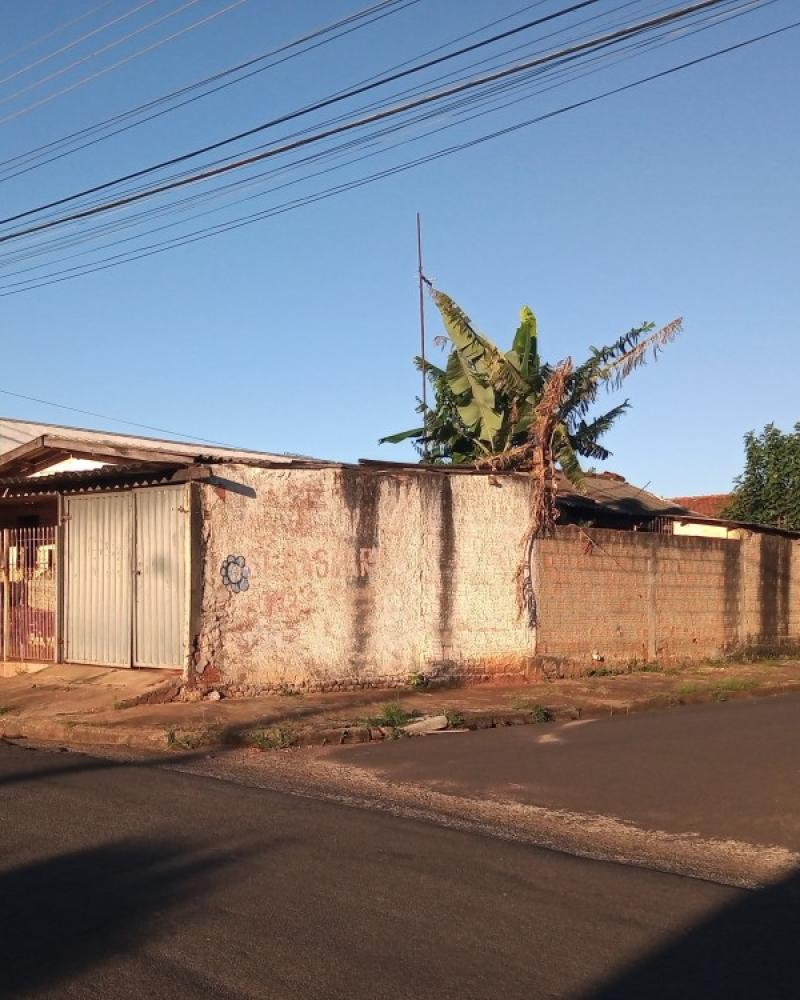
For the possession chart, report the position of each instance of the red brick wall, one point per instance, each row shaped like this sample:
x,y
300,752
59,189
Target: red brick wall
x,y
639,596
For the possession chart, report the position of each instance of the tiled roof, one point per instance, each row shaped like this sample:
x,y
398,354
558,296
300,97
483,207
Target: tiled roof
x,y
708,505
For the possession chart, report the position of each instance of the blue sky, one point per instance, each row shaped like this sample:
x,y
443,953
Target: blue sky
x,y
296,334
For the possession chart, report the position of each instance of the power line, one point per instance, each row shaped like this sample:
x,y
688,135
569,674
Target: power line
x,y
708,19
381,102
116,420
31,154
391,171
353,92
669,36
121,62
342,117
598,41
55,31
77,41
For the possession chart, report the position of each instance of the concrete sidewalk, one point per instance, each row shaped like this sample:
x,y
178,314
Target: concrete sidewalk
x,y
86,706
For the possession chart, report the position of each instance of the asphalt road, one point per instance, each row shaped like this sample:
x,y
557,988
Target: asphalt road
x,y
727,770
130,880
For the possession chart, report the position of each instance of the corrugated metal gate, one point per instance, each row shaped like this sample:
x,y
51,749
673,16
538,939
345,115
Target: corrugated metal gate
x,y
28,593
162,559
125,578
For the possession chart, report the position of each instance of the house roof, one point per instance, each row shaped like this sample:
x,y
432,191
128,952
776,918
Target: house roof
x,y
707,505
612,492
27,448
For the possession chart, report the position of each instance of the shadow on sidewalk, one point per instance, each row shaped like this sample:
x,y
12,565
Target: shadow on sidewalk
x,y
747,950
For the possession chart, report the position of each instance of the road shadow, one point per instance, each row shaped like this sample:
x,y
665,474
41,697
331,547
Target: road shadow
x,y
747,950
65,914
65,762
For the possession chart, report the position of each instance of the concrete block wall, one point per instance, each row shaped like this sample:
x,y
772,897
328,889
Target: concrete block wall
x,y
360,578
629,596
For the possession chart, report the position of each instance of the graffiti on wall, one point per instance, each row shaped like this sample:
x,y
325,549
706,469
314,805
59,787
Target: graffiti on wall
x,y
235,574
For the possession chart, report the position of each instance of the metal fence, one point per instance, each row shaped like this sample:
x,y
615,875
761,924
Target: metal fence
x,y
28,590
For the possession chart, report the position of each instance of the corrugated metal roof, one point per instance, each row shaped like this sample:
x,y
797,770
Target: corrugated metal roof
x,y
121,476
14,433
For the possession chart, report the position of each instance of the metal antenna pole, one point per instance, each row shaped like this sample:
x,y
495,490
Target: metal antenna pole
x,y
421,277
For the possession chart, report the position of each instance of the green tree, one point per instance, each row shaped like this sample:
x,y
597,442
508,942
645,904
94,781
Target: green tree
x,y
768,491
485,399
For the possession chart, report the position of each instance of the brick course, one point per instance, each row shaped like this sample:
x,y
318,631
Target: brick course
x,y
628,596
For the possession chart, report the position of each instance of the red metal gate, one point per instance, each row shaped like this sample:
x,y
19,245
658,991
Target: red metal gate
x,y
28,583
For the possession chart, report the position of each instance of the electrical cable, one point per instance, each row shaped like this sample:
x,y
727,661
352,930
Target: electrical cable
x,y
6,291
77,41
303,111
670,35
31,154
129,58
54,31
601,40
116,420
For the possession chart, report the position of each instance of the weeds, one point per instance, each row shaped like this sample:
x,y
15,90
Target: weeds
x,y
419,681
279,738
538,713
731,685
455,720
176,740
541,714
719,690
392,716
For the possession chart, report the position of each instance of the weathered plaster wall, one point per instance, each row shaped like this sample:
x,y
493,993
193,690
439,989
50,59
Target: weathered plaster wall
x,y
360,577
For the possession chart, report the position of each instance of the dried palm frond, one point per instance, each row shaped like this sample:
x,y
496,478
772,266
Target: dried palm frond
x,y
536,456
615,373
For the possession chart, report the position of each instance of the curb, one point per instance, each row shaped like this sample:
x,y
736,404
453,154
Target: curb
x,y
285,736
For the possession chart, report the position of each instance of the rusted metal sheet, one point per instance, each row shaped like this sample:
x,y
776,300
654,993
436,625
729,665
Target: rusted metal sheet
x,y
28,574
160,615
97,579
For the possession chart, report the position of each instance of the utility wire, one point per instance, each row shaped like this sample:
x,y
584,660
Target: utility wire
x,y
129,58
633,48
669,35
77,41
363,108
369,106
400,168
116,420
32,154
55,31
304,111
598,41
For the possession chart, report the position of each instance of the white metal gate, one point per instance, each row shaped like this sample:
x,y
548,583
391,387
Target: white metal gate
x,y
162,556
125,576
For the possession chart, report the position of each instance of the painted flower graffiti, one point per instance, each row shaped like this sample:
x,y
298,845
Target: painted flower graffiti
x,y
235,574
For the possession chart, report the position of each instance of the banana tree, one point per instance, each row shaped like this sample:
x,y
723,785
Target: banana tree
x,y
485,399
512,411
